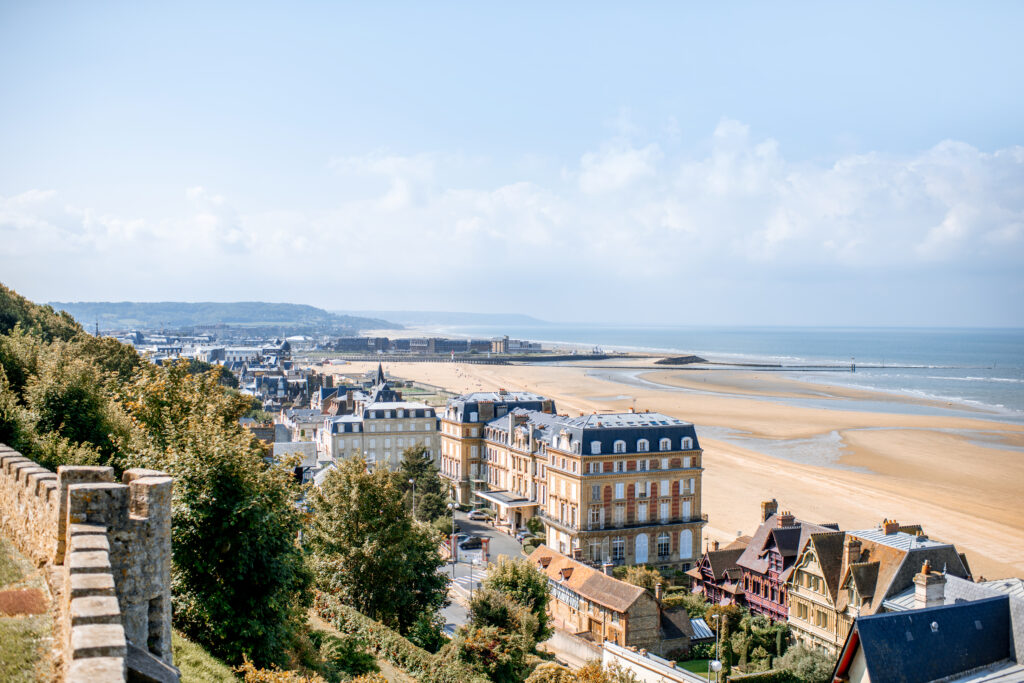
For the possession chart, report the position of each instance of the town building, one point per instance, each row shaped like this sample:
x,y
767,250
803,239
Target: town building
x,y
462,425
968,641
381,427
768,561
589,604
840,576
716,575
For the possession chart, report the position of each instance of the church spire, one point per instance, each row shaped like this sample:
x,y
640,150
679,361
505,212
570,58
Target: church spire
x,y
380,374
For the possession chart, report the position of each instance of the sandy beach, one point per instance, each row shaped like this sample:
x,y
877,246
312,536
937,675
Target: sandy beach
x,y
962,478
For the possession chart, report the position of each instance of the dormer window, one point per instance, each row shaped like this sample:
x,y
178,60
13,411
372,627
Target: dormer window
x,y
687,444
665,445
595,447
620,447
642,446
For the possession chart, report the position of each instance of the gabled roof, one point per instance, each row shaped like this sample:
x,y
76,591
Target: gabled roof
x,y
723,560
828,548
754,559
930,644
586,581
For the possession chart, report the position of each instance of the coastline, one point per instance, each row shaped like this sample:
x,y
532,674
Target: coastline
x,y
958,476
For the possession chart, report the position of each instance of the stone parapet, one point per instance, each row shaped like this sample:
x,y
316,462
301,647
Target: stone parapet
x,y
111,544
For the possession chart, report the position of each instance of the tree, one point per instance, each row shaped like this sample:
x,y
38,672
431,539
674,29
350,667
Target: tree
x,y
492,651
593,672
418,466
810,666
694,604
527,585
549,672
644,577
494,608
239,579
366,549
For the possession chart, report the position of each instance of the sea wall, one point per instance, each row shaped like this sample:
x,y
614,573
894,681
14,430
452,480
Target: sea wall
x,y
109,545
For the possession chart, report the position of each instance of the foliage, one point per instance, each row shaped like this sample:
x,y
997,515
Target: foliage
x,y
494,652
490,607
40,321
366,550
695,605
809,666
535,526
702,651
772,676
346,656
428,632
593,672
431,497
197,664
252,674
239,581
549,672
387,644
23,644
527,585
644,577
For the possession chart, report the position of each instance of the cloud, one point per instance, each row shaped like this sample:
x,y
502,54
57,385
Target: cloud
x,y
427,230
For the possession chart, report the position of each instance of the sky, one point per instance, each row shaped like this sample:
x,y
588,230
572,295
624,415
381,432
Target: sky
x,y
815,164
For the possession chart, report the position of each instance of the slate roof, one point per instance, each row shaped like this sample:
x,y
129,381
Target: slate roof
x,y
462,408
588,582
928,644
795,537
828,547
723,560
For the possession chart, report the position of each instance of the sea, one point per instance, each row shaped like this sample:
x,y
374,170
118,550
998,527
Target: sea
x,y
974,371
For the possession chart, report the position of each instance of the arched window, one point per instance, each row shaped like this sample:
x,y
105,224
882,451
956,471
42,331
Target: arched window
x,y
642,446
595,447
576,447
685,544
620,447
687,443
666,444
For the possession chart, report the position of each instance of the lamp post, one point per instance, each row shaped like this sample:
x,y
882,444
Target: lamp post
x,y
413,482
451,509
716,663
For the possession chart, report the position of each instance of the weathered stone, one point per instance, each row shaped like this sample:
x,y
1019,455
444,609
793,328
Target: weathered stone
x,y
95,610
87,585
98,640
90,542
96,669
89,562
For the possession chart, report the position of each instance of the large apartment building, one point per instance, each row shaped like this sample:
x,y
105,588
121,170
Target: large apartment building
x,y
611,488
462,428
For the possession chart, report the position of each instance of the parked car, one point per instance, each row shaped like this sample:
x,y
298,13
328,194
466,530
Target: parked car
x,y
478,515
471,543
523,535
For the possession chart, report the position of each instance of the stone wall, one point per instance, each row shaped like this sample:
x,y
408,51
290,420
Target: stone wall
x,y
110,544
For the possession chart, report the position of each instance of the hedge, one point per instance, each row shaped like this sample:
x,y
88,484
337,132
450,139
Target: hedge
x,y
391,646
771,676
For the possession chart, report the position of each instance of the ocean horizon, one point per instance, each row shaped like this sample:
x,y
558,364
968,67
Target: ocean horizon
x,y
979,368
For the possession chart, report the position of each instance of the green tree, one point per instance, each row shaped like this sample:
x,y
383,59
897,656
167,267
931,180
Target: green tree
x,y
527,585
549,672
495,652
239,580
644,577
431,499
494,608
366,549
695,605
810,666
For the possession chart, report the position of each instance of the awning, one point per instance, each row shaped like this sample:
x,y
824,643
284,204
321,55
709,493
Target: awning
x,y
505,499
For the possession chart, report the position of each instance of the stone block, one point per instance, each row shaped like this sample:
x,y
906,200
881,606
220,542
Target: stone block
x,y
79,529
96,670
98,640
88,585
89,562
90,542
95,610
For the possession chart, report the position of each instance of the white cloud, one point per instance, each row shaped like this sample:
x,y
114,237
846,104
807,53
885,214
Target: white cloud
x,y
626,217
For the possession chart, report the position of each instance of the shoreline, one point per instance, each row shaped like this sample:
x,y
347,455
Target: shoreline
x,y
959,477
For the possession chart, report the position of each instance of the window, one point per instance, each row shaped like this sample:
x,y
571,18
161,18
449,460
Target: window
x,y
664,463
595,467
620,490
642,446
641,465
620,466
620,515
595,447
595,517
665,445
665,489
692,486
618,549
664,545
686,509
685,544
373,443
643,489
687,443
663,510
620,447
641,512
686,462
595,551
595,492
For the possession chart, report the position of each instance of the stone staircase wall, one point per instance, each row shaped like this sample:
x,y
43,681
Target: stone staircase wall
x,y
110,543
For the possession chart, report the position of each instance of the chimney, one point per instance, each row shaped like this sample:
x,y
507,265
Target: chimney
x,y
929,588
890,526
851,553
714,545
657,592
786,519
607,568
768,508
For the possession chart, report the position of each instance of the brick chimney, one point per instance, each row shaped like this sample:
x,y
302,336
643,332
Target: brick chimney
x,y
657,592
929,588
890,526
714,545
851,553
768,508
786,519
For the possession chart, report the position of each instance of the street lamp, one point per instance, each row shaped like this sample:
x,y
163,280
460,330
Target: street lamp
x,y
413,482
451,509
716,663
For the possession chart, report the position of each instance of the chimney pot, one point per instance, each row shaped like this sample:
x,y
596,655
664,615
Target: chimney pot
x,y
768,508
786,519
890,526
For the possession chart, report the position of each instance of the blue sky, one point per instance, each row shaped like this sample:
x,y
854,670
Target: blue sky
x,y
665,163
